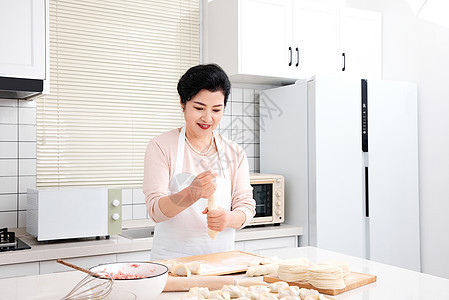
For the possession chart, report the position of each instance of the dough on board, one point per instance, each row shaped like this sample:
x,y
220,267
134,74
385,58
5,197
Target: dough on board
x,y
262,270
181,269
194,267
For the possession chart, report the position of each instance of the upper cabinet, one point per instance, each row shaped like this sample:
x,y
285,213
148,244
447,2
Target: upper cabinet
x,y
271,41
361,42
315,38
23,39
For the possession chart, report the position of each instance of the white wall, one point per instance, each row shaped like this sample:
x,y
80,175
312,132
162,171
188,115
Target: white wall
x,y
417,50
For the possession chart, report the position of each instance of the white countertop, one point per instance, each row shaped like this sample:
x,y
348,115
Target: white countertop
x,y
392,282
42,251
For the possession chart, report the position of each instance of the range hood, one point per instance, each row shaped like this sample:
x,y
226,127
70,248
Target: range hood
x,y
20,88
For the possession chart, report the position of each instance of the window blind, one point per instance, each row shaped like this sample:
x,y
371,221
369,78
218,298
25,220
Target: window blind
x,y
114,67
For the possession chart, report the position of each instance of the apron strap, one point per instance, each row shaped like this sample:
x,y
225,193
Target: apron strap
x,y
221,156
180,154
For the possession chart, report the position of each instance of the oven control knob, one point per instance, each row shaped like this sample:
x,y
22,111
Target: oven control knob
x,y
115,216
278,193
278,212
278,203
115,203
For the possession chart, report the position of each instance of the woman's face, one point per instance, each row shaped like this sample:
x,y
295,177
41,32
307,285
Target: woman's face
x,y
203,112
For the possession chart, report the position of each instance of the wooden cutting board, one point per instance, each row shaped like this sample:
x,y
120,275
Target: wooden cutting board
x,y
221,263
356,280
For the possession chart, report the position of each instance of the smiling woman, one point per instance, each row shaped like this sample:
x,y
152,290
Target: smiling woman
x,y
179,180
114,66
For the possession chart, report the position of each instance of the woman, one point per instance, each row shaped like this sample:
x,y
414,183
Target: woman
x,y
186,166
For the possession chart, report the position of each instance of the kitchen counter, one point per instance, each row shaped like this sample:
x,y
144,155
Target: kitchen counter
x,y
392,282
42,251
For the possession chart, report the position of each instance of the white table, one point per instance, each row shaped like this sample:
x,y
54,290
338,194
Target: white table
x,y
392,282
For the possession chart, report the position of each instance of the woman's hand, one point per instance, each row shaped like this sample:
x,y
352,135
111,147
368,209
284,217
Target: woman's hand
x,y
203,186
217,219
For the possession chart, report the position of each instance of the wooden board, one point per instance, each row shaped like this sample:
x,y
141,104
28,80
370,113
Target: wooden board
x,y
356,280
221,263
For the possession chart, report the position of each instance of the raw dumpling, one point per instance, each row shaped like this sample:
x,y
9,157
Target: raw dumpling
x,y
291,298
274,287
234,291
219,295
263,261
303,293
169,264
181,269
262,270
194,267
289,291
200,291
259,289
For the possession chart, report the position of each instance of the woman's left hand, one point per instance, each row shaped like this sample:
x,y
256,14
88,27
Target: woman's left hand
x,y
217,219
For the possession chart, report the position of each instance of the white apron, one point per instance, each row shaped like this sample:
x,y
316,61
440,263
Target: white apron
x,y
186,233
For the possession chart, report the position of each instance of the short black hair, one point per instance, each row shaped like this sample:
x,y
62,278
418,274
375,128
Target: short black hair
x,y
209,77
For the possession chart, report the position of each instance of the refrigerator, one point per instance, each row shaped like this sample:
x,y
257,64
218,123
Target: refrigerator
x,y
348,149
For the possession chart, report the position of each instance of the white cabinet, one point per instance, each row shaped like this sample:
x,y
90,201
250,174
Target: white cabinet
x,y
267,244
315,38
16,270
23,39
261,41
250,37
361,43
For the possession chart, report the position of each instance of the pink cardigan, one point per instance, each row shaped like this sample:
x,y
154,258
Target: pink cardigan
x,y
160,160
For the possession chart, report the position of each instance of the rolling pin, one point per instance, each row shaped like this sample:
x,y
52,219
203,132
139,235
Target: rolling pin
x,y
184,284
211,205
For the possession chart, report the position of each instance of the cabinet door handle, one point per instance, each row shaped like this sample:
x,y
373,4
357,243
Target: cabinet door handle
x,y
290,52
297,56
344,61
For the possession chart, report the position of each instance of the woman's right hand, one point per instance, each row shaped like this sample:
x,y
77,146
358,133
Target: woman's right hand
x,y
203,186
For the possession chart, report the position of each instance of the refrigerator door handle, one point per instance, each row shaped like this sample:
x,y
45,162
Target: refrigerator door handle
x,y
366,193
344,61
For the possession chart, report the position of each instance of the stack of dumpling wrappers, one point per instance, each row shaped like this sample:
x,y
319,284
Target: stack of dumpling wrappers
x,y
329,274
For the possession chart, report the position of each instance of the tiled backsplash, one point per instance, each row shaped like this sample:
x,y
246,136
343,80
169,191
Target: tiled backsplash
x,y
17,159
240,123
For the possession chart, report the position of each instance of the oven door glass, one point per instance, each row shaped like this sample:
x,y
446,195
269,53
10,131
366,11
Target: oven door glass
x,y
263,194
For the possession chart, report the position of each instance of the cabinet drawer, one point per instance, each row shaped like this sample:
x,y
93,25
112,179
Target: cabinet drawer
x,y
267,244
16,270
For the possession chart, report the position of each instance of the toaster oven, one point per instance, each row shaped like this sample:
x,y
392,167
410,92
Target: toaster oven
x,y
268,192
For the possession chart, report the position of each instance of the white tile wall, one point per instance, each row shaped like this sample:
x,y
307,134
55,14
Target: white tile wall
x,y
240,123
8,202
8,150
17,159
